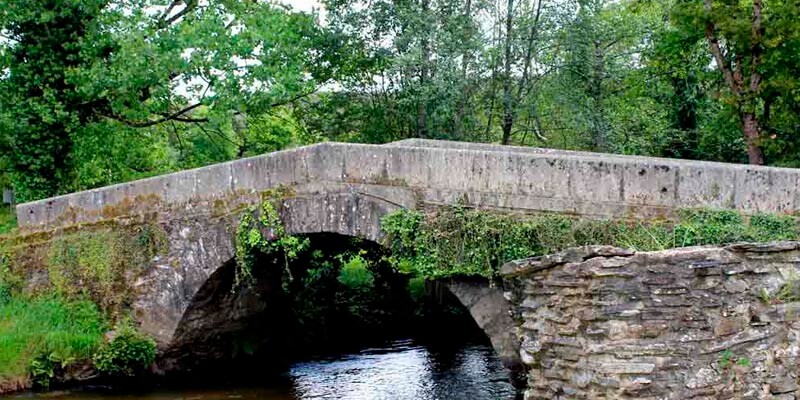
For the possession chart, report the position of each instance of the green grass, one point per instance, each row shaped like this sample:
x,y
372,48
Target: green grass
x,y
8,220
58,330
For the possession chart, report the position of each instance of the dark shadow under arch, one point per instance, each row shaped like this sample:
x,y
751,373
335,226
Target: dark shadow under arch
x,y
211,326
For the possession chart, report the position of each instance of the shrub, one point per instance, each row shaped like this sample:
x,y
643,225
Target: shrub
x,y
355,273
8,220
458,241
128,353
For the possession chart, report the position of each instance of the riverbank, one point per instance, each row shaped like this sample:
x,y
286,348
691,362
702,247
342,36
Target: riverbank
x,y
42,336
47,340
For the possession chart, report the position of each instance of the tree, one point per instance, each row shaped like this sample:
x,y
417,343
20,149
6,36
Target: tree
x,y
44,40
746,40
79,68
422,60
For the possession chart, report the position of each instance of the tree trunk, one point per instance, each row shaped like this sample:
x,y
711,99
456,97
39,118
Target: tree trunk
x,y
752,134
599,124
743,91
508,118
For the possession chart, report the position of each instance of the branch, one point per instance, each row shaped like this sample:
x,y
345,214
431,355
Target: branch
x,y
192,120
755,47
165,22
169,10
169,117
220,134
210,138
713,44
9,38
293,99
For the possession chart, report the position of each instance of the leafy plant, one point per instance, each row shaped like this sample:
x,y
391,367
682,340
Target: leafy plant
x,y
732,367
128,353
261,231
355,273
43,368
790,291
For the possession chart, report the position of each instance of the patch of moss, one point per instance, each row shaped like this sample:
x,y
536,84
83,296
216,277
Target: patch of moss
x,y
95,263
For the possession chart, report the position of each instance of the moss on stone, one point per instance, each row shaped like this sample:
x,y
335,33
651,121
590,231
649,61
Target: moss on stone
x,y
98,263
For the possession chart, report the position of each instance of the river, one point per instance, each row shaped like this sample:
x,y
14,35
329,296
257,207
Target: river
x,y
400,370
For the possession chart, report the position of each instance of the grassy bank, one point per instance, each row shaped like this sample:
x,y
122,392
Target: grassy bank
x,y
41,337
466,242
38,333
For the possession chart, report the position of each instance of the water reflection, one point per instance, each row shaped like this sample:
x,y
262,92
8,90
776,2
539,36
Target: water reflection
x,y
403,370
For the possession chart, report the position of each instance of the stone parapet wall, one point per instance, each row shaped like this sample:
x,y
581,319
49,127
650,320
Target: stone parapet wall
x,y
430,173
693,323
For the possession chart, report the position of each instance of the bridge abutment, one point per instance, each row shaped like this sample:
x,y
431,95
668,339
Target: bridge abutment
x,y
689,323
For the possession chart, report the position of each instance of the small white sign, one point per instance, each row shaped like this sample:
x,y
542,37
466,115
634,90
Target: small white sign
x,y
8,196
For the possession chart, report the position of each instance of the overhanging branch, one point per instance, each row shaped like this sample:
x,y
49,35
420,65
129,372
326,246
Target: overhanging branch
x,y
176,116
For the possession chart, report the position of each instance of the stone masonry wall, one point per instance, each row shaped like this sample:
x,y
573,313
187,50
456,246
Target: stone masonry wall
x,y
693,323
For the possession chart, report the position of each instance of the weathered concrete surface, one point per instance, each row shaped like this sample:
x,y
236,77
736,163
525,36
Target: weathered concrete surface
x,y
692,323
433,173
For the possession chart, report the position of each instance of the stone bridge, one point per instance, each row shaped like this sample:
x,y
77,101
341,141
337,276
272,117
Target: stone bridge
x,y
347,188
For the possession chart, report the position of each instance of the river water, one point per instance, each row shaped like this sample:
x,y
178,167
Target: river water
x,y
400,370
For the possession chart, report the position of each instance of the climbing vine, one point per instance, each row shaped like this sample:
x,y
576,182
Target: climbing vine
x,y
261,232
465,242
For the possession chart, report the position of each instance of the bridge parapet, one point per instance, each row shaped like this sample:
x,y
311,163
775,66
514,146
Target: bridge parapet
x,y
431,173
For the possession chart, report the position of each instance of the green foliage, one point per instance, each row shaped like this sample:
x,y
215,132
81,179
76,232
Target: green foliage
x,y
416,288
725,360
100,261
8,220
261,231
10,283
355,273
40,334
788,292
731,366
458,241
127,354
93,91
344,291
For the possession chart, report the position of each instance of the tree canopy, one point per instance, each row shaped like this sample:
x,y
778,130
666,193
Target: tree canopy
x,y
94,92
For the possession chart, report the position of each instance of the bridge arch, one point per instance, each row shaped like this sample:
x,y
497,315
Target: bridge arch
x,y
196,293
